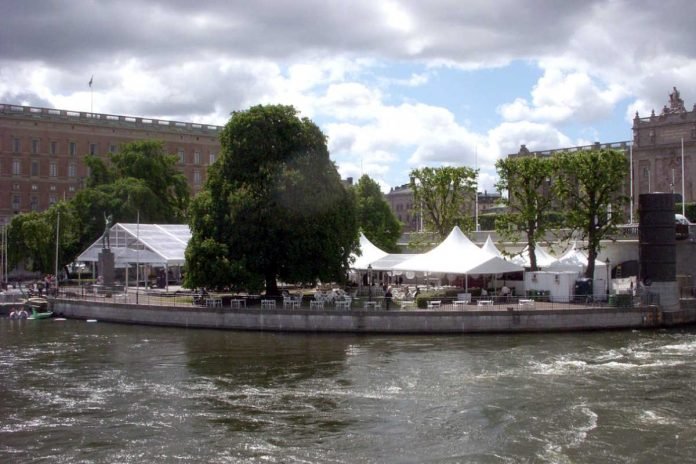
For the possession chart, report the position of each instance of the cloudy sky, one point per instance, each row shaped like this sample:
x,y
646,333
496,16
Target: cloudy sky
x,y
394,84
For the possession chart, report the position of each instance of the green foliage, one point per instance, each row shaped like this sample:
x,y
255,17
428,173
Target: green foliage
x,y
273,207
689,209
375,217
527,182
446,197
589,183
32,239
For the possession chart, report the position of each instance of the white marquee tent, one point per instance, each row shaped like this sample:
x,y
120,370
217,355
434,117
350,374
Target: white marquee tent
x,y
543,258
490,248
370,254
458,255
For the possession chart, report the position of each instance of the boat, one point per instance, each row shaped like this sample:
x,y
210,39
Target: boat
x,y
37,315
39,308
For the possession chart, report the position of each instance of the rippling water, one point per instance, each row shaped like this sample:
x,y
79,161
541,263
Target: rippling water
x,y
93,392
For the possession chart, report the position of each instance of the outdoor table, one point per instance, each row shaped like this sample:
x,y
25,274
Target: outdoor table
x,y
268,304
342,304
485,302
237,303
529,304
408,304
316,304
370,305
459,303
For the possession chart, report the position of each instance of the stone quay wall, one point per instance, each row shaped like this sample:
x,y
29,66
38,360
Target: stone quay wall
x,y
364,321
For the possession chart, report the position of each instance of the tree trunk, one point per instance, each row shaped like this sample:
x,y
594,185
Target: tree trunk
x,y
271,286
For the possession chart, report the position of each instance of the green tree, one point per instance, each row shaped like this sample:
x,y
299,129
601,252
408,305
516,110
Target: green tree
x,y
444,196
32,239
273,207
527,181
590,185
375,217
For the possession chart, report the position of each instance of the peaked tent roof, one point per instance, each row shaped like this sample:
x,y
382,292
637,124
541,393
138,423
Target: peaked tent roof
x,y
543,257
490,248
573,259
458,255
370,254
162,244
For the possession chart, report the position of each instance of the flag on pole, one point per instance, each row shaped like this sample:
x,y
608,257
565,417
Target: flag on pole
x,y
90,80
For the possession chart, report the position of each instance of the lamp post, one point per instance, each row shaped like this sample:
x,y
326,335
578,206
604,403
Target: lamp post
x,y
369,281
608,263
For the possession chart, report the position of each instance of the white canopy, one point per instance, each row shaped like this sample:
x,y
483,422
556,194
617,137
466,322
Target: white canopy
x,y
543,258
370,253
572,260
160,244
458,255
490,248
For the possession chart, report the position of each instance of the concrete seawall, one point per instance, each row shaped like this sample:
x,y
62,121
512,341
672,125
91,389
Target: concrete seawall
x,y
361,321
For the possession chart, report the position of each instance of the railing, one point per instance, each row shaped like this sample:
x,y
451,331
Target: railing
x,y
193,300
81,116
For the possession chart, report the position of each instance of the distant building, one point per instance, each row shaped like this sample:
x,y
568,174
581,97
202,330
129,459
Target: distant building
x,y
400,200
42,151
655,152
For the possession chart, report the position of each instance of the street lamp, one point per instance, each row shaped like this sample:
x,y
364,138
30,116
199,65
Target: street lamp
x,y
369,281
608,263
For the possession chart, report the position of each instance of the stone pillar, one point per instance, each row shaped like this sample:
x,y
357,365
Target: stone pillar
x,y
106,267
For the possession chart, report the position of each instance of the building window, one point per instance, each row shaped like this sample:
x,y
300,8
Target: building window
x,y
73,148
16,145
196,177
35,146
34,168
34,203
72,170
212,157
196,157
52,188
34,187
54,148
52,199
71,188
112,148
181,156
16,204
15,187
92,149
646,172
16,168
53,169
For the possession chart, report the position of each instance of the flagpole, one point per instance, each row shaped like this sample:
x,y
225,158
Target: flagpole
x,y
476,192
137,258
91,95
631,162
683,175
57,237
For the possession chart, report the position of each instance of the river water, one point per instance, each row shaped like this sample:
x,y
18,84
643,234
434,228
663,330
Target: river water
x,y
74,391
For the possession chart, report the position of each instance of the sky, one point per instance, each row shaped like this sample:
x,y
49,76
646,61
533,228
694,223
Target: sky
x,y
395,85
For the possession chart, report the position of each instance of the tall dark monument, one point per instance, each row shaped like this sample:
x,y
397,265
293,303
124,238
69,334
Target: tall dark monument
x,y
657,247
106,256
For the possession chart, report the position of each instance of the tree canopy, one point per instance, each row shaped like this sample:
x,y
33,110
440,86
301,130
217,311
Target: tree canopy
x,y
445,197
375,217
527,181
590,185
273,207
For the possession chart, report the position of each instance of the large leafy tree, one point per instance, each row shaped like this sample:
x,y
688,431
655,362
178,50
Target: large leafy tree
x,y
444,197
527,181
273,207
375,217
590,185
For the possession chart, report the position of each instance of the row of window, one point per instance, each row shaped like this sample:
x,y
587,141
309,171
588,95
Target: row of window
x,y
16,198
94,150
34,169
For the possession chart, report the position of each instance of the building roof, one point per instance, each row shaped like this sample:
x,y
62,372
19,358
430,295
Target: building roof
x,y
162,244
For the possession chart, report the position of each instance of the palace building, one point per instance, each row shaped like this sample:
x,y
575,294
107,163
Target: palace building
x,y
42,151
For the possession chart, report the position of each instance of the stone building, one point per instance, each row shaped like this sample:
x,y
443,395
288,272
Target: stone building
x,y
658,165
400,201
42,151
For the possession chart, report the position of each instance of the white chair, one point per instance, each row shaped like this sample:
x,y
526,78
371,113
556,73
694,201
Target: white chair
x,y
434,304
268,304
316,304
